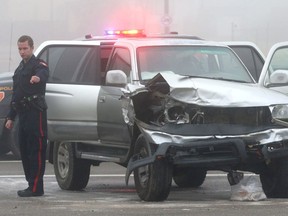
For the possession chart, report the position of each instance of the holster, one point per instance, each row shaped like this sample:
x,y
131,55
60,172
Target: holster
x,y
39,103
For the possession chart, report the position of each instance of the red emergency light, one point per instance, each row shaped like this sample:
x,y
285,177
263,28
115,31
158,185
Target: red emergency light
x,y
126,33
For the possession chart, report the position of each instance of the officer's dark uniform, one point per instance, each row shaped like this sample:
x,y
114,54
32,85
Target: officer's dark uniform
x,y
29,103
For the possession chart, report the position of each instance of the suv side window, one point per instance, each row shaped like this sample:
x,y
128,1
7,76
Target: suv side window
x,y
121,60
73,64
251,59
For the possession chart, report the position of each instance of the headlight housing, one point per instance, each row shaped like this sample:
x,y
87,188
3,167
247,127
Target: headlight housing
x,y
279,112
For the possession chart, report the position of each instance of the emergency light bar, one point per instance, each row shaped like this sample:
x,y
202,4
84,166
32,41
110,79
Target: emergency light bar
x,y
126,33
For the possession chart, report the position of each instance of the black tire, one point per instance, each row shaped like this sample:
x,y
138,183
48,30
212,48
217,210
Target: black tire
x,y
189,177
71,173
152,182
275,179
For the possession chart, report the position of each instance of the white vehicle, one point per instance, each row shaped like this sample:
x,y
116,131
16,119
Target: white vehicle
x,y
275,70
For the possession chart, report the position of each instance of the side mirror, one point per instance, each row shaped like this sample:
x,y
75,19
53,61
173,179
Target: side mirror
x,y
116,78
279,77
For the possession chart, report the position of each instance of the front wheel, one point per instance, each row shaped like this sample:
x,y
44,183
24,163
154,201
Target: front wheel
x,y
71,173
153,181
274,179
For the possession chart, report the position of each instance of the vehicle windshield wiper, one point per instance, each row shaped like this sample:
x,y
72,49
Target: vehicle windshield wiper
x,y
217,78
191,76
226,79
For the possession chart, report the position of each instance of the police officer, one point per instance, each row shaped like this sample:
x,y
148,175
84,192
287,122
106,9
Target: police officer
x,y
29,85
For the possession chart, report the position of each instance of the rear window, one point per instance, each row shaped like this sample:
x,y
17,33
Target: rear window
x,y
73,64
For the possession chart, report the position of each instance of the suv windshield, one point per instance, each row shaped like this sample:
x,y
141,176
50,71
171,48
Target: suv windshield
x,y
193,61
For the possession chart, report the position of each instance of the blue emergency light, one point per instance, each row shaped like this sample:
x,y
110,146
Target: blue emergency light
x,y
125,33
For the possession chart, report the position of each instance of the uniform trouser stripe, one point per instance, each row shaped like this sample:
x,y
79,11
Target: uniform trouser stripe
x,y
36,180
40,125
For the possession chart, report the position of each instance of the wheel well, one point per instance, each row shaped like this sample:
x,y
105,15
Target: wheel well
x,y
49,151
134,136
136,133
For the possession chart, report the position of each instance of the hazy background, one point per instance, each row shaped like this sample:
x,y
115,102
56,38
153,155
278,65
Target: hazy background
x,y
263,22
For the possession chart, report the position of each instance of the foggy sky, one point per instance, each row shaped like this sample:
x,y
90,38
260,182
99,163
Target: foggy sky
x,y
260,21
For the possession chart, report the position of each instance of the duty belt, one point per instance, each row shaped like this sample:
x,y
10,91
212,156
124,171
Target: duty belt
x,y
26,103
31,98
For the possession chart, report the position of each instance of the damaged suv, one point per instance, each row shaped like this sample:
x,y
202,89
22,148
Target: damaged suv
x,y
165,108
195,108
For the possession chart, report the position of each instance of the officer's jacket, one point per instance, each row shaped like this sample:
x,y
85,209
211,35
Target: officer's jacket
x,y
21,81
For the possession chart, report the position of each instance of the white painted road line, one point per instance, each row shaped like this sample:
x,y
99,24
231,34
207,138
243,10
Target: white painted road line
x,y
100,175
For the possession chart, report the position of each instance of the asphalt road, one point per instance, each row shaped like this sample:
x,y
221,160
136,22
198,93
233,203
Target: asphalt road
x,y
107,195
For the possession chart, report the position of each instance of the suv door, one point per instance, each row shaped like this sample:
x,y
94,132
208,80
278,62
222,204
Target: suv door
x,y
72,89
274,74
111,128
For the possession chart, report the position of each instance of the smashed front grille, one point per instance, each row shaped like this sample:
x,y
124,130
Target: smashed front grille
x,y
157,109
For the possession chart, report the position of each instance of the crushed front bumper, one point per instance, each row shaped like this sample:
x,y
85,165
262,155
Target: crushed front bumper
x,y
210,153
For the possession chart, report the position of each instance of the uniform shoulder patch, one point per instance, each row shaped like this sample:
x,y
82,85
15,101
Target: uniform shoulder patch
x,y
2,96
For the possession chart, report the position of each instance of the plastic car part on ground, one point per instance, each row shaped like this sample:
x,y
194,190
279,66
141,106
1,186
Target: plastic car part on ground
x,y
249,188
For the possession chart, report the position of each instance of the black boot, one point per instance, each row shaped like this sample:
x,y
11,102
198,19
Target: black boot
x,y
28,193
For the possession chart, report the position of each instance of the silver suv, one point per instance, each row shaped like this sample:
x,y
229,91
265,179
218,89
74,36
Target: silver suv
x,y
165,108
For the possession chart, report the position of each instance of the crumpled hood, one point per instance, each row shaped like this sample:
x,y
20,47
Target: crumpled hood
x,y
212,92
